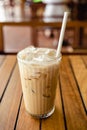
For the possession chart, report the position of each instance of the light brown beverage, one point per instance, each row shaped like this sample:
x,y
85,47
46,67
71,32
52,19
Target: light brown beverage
x,y
39,70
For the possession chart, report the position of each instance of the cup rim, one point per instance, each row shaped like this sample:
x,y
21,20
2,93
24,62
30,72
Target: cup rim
x,y
57,59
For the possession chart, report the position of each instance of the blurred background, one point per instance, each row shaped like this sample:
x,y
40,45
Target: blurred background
x,y
16,34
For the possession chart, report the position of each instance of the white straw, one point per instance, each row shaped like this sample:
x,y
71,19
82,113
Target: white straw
x,y
66,14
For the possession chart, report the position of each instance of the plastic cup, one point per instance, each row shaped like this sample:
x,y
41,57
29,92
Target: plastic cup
x,y
39,82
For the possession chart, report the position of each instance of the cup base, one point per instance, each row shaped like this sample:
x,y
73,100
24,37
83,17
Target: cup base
x,y
43,115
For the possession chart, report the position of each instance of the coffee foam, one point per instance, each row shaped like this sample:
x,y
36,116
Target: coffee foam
x,y
38,55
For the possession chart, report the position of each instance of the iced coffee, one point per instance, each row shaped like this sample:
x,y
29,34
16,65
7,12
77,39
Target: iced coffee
x,y
39,70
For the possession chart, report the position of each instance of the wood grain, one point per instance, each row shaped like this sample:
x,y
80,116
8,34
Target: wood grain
x,y
84,60
10,103
80,72
76,118
56,121
2,59
25,121
5,72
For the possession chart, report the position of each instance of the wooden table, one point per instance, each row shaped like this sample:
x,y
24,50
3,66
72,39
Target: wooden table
x,y
71,97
